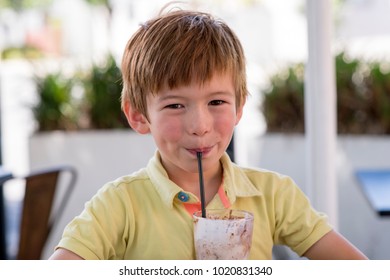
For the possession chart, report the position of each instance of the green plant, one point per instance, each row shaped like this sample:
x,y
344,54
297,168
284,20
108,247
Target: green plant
x,y
103,92
96,106
19,5
377,98
26,52
54,110
283,102
349,93
363,98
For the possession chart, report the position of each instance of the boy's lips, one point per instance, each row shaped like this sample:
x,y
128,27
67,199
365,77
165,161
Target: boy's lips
x,y
202,150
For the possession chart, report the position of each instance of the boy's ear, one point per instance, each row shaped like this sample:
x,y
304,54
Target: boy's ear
x,y
136,120
240,111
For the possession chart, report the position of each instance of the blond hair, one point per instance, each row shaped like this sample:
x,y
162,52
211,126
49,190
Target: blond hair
x,y
177,48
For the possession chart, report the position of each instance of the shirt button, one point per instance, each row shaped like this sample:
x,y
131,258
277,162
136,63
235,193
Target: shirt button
x,y
183,196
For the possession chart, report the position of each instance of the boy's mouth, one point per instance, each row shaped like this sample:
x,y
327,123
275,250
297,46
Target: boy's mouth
x,y
201,150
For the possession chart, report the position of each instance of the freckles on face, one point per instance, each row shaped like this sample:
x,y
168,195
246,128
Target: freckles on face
x,y
167,129
225,124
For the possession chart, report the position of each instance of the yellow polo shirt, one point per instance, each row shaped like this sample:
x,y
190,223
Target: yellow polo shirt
x,y
147,216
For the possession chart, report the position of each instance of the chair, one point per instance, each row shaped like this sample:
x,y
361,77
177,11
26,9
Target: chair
x,y
44,201
4,176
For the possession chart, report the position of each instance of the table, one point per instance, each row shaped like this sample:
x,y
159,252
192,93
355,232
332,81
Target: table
x,y
4,176
375,185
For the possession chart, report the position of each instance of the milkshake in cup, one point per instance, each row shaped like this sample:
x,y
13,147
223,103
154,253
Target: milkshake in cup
x,y
224,234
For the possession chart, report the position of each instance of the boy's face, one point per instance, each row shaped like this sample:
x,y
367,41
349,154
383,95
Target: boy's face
x,y
192,118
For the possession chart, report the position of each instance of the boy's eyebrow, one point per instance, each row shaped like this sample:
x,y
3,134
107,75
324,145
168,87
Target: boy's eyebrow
x,y
177,96
222,92
169,96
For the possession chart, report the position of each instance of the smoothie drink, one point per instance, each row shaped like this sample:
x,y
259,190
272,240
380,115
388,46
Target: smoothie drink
x,y
224,234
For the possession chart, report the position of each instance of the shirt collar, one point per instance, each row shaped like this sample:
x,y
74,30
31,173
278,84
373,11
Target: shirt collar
x,y
236,183
166,188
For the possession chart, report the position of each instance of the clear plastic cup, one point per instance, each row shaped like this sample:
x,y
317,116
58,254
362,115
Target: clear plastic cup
x,y
225,234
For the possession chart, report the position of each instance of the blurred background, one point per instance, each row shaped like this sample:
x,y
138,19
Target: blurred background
x,y
60,88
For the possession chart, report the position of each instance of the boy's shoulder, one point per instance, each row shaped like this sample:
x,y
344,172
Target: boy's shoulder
x,y
128,182
265,180
262,173
249,177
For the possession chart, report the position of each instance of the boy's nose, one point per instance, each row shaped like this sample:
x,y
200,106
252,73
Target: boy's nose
x,y
199,122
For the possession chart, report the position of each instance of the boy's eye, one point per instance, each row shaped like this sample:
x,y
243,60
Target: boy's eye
x,y
174,106
217,102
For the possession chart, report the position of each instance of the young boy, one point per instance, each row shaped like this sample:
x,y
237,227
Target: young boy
x,y
184,82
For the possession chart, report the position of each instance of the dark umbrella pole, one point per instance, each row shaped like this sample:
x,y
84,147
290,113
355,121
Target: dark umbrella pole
x,y
230,149
3,250
2,206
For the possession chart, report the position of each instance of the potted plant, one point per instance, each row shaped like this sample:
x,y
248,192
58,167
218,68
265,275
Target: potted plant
x,y
89,100
363,98
55,109
102,95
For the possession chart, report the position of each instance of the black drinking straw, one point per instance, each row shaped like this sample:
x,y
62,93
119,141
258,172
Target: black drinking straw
x,y
200,170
